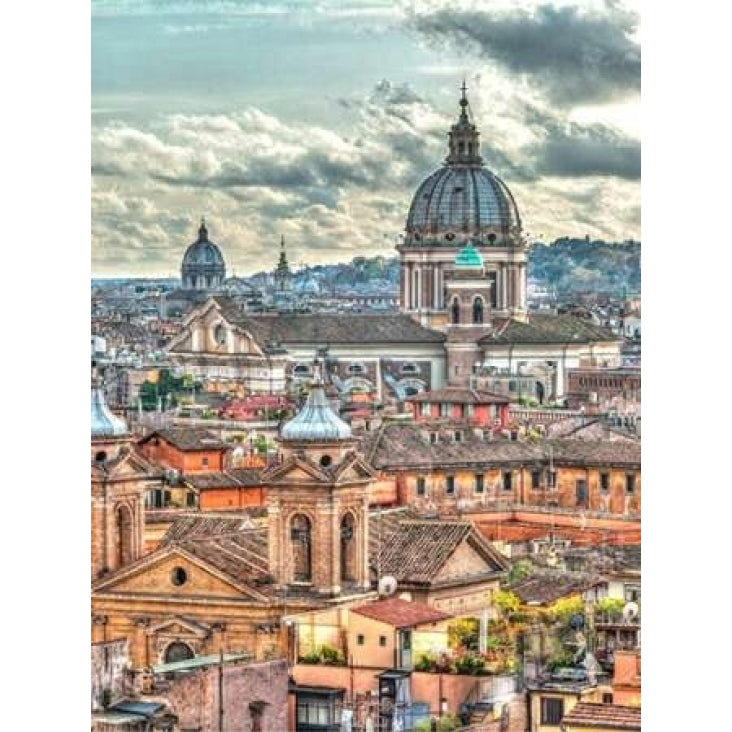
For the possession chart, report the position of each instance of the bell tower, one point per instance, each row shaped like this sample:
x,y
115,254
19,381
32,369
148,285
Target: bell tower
x,y
119,481
317,501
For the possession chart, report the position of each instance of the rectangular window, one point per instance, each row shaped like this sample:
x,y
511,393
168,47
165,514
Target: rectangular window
x,y
551,480
507,480
581,492
458,436
552,710
421,486
470,410
382,641
360,639
604,482
607,698
630,483
433,438
535,480
204,462
426,409
479,482
450,485
316,713
444,410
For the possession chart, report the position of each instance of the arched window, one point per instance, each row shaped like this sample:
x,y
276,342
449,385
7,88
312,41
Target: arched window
x,y
478,310
348,548
124,536
301,538
455,311
178,651
220,334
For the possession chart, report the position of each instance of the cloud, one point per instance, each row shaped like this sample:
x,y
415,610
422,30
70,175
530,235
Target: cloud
x,y
573,55
569,149
255,176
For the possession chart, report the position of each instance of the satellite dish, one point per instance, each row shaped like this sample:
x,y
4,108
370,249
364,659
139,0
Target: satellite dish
x,y
630,611
577,621
387,586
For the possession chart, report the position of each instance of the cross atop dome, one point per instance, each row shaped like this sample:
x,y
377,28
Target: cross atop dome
x,y
202,230
463,103
464,144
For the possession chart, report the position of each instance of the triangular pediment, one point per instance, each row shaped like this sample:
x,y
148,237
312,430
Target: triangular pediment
x,y
296,469
354,468
181,627
159,574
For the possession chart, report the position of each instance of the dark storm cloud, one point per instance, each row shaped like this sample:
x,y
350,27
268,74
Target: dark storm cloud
x,y
575,56
571,150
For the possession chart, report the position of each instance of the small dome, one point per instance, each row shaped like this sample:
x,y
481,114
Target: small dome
x,y
469,256
103,422
316,420
203,264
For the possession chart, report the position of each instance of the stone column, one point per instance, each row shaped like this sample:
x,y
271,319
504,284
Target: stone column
x,y
364,579
436,285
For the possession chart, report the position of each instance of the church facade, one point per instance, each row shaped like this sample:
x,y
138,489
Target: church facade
x,y
463,286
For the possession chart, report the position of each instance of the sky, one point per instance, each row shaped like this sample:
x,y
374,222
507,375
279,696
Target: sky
x,y
318,120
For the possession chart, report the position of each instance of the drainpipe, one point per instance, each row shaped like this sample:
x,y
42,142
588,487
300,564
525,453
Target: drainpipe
x,y
221,690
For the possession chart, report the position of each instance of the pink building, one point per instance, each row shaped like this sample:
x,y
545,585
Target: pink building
x,y
481,408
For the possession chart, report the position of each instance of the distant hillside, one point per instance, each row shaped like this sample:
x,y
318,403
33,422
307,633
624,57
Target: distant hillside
x,y
580,265
567,265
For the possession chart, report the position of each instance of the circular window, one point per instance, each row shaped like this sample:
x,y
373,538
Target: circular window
x,y
101,456
326,460
178,576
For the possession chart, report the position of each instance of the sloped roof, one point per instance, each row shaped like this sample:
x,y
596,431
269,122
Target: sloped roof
x,y
204,526
546,587
400,613
188,438
604,716
234,478
547,329
361,328
458,395
406,445
416,551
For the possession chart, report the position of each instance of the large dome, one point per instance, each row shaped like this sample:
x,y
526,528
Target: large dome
x,y
203,264
463,200
460,199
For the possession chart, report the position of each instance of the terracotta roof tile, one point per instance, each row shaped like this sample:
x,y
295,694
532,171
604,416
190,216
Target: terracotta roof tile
x,y
400,613
545,588
455,395
328,327
185,438
606,716
547,329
